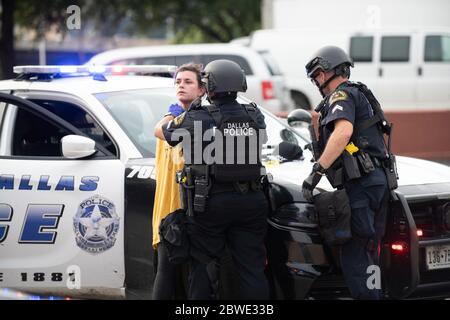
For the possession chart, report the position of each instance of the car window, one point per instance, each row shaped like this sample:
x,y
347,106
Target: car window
x,y
437,48
271,63
395,48
137,112
278,132
207,58
35,137
125,62
81,120
361,48
169,60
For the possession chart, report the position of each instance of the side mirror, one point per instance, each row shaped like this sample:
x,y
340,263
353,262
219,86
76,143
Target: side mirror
x,y
289,151
299,116
77,147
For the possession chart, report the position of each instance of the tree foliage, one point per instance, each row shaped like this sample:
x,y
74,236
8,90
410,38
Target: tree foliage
x,y
210,21
188,21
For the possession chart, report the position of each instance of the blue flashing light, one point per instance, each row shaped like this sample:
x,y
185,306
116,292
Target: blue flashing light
x,y
96,69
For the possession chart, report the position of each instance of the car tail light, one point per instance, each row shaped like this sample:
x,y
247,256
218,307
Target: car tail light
x,y
267,90
398,247
446,215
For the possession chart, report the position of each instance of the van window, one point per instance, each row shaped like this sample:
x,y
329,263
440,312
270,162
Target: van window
x,y
395,49
271,63
437,48
361,48
238,59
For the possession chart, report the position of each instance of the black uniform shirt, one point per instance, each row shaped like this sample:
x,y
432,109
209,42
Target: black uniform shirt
x,y
349,103
196,121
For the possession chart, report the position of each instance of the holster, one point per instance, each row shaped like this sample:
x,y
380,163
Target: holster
x,y
334,212
173,234
185,180
335,174
351,166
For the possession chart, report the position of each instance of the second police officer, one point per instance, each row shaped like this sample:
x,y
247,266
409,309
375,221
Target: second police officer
x,y
223,179
353,154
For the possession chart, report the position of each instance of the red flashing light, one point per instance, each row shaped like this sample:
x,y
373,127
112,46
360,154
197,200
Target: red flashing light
x,y
267,90
419,233
118,69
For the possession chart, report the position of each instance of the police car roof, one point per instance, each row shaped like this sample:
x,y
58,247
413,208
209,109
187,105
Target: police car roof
x,y
86,84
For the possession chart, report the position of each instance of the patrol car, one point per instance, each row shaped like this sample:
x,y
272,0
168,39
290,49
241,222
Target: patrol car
x,y
77,184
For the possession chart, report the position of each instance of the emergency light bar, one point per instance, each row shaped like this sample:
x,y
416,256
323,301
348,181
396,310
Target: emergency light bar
x,y
93,69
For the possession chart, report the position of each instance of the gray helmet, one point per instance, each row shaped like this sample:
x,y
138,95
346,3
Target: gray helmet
x,y
224,76
329,58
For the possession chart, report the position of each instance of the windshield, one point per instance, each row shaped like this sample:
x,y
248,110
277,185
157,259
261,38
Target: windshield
x,y
278,132
271,63
138,111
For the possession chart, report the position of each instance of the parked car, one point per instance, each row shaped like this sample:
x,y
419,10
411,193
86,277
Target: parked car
x,y
77,187
266,85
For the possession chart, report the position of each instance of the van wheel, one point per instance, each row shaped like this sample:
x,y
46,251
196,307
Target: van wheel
x,y
300,100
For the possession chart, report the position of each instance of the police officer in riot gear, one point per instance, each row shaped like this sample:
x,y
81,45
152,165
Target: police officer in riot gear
x,y
352,156
223,181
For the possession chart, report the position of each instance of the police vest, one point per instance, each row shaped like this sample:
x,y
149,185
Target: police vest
x,y
237,141
348,165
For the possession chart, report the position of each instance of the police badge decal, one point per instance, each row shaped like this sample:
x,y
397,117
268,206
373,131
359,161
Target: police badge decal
x,y
96,225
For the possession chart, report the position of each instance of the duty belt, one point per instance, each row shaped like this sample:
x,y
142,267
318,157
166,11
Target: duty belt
x,y
200,169
222,187
240,187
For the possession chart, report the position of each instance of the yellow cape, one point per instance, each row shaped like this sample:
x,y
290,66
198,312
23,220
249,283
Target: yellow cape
x,y
167,196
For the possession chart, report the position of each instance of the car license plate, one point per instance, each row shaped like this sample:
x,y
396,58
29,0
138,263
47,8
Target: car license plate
x,y
438,257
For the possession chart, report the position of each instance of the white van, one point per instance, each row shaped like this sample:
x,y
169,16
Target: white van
x,y
266,84
406,69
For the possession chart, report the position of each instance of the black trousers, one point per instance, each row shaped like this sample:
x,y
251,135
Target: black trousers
x,y
368,200
237,221
164,286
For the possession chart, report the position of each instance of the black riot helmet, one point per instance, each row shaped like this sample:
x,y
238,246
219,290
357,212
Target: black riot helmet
x,y
224,76
327,59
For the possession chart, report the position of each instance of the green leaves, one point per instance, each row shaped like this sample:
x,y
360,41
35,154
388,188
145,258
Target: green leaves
x,y
188,21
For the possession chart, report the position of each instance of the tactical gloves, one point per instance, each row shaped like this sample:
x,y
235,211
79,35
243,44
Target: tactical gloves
x,y
311,181
175,110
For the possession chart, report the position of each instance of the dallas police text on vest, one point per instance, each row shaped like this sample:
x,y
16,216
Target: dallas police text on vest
x,y
236,141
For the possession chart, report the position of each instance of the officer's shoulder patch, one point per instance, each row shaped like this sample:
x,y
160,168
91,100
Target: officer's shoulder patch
x,y
339,95
179,120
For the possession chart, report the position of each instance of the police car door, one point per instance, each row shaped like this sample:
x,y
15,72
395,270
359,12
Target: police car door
x,y
400,252
61,219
